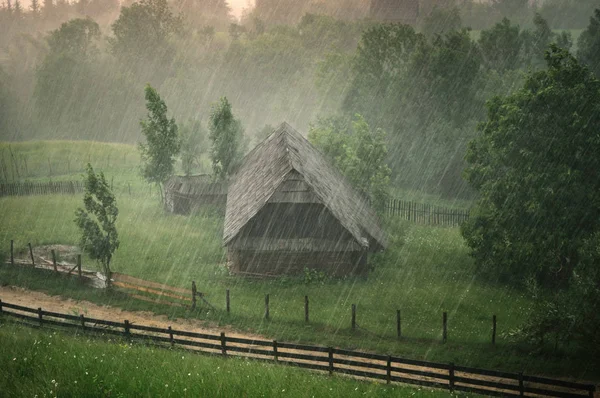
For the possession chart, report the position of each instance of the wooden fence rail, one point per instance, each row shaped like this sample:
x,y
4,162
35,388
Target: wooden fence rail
x,y
367,365
423,213
40,188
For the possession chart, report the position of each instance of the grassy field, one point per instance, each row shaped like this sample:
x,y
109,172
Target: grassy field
x,y
425,272
93,367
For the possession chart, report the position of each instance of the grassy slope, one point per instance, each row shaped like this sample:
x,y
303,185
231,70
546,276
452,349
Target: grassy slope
x,y
426,271
92,367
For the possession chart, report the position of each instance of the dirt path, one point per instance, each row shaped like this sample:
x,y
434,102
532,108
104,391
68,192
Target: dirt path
x,y
33,299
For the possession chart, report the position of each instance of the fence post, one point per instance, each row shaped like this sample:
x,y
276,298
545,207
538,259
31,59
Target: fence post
x,y
275,355
389,370
54,260
12,256
267,306
451,377
79,265
494,329
40,315
521,385
0,306
227,301
223,344
353,316
398,324
82,318
171,336
592,388
31,254
194,294
127,330
330,360
306,309
445,327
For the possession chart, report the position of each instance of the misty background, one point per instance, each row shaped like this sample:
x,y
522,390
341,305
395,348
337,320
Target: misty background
x,y
308,62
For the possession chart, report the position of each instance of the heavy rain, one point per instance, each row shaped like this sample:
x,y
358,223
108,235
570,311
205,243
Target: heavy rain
x,y
307,198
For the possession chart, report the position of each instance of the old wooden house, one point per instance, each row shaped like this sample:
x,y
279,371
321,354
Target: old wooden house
x,y
289,209
186,193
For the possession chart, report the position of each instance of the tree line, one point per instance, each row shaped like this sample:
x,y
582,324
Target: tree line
x,y
425,87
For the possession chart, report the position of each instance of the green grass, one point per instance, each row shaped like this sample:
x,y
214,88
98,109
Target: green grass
x,y
46,364
425,271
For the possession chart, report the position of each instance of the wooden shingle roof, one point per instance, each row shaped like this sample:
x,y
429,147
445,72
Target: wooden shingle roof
x,y
266,167
195,185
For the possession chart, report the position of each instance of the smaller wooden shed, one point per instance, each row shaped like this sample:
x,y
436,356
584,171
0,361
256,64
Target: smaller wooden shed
x,y
186,193
289,209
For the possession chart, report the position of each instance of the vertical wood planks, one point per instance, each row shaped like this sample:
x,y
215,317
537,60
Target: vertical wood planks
x,y
306,309
31,254
267,306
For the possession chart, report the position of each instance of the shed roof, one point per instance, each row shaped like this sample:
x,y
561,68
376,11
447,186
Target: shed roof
x,y
195,185
267,166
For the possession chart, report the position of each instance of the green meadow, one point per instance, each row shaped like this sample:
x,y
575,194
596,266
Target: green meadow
x,y
426,271
43,363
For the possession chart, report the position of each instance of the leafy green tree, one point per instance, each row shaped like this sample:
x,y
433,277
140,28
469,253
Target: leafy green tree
x,y
443,76
226,134
535,164
162,141
142,33
97,220
358,152
589,44
192,141
382,57
537,41
75,38
63,78
501,46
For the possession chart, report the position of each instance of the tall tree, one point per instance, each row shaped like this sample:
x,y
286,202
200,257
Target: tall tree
x,y
502,46
142,32
225,132
358,152
97,220
589,44
535,164
62,80
192,139
162,141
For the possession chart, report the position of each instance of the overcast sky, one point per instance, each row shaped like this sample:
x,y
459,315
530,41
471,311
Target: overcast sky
x,y
236,5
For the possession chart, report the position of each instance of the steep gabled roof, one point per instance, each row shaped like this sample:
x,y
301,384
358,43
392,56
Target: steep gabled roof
x,y
268,165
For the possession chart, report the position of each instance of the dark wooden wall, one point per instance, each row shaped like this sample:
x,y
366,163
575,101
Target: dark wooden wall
x,y
294,263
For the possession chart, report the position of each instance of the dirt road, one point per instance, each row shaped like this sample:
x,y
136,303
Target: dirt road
x,y
33,299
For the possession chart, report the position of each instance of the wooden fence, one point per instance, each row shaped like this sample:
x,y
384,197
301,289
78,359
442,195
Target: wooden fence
x,y
423,213
327,359
40,188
